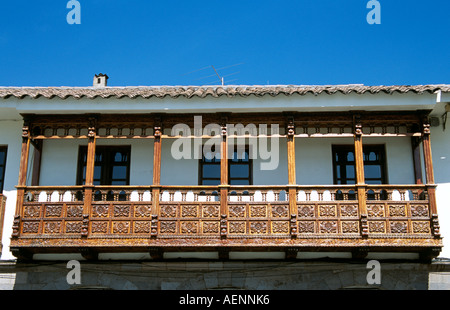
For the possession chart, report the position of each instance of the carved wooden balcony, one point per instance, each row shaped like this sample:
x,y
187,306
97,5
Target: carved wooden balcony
x,y
396,218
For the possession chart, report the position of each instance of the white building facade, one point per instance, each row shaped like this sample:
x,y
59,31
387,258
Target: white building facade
x,y
299,148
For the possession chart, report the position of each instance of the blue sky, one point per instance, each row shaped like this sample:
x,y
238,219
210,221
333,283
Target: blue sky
x,y
250,42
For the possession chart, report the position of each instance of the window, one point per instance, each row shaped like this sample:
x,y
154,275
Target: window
x,y
112,165
3,150
239,168
374,164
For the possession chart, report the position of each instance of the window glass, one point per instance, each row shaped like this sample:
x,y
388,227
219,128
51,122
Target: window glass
x,y
112,165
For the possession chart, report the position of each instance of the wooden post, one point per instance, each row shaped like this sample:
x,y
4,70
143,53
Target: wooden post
x,y
290,129
89,182
223,178
26,139
360,181
431,187
156,189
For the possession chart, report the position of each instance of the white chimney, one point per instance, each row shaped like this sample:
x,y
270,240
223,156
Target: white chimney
x,y
100,80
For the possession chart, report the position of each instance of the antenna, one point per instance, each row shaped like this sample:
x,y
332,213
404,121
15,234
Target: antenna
x,y
216,73
220,78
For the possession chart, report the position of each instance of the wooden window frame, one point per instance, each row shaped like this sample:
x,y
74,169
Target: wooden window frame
x,y
382,162
230,163
3,148
106,177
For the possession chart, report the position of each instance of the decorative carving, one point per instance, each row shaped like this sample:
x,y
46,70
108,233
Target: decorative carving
x,y
142,211
53,211
100,210
327,211
375,211
141,227
167,227
258,211
85,226
99,227
421,227
157,132
397,211
306,211
364,225
377,227
290,128
30,227
32,211
349,227
435,226
258,227
189,227
189,211
280,211
210,211
237,211
73,227
399,227
154,226
25,131
306,227
328,227
121,227
52,227
168,211
121,211
210,227
349,211
419,211
74,211
279,227
223,225
236,227
293,225
91,132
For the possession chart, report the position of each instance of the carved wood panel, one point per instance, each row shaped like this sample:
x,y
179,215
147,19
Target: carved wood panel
x,y
248,219
329,218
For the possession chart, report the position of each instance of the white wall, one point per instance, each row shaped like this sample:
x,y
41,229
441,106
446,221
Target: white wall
x,y
11,136
314,162
60,157
440,145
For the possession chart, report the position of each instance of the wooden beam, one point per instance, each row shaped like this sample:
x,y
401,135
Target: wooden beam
x,y
431,188
360,180
290,129
89,181
224,178
22,182
157,146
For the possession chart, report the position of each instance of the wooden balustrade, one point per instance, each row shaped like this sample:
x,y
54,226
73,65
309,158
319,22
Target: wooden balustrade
x,y
124,217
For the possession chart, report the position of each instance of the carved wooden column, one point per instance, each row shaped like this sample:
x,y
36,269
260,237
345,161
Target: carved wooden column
x,y
223,178
26,140
290,129
360,181
429,173
156,189
89,182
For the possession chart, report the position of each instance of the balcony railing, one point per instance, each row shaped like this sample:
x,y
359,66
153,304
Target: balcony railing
x,y
135,218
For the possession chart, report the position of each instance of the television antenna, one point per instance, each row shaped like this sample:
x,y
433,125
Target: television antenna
x,y
216,73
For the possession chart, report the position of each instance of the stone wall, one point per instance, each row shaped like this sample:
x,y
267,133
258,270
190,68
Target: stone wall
x,y
216,275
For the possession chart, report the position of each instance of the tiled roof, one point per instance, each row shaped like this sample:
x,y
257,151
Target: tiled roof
x,y
213,91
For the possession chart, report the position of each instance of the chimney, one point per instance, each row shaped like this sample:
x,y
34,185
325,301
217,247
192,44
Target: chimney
x,y
100,80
